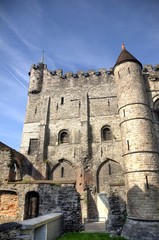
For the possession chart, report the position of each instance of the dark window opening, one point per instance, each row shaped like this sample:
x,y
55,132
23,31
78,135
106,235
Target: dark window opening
x,y
110,172
62,172
124,112
156,110
63,137
147,184
31,205
157,115
128,145
33,146
62,100
128,70
106,134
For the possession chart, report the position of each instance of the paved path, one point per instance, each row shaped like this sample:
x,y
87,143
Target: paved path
x,y
95,227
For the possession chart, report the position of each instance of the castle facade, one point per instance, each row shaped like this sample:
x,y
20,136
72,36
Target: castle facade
x,y
98,130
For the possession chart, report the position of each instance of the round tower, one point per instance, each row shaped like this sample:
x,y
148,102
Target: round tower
x,y
140,155
36,78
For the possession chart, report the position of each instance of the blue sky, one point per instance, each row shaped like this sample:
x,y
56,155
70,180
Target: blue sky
x,y
75,35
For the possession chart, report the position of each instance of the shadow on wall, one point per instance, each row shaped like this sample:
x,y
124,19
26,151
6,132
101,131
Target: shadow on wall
x,y
29,169
116,212
92,211
143,204
142,207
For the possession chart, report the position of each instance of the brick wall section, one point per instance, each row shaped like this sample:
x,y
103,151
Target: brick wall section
x,y
8,206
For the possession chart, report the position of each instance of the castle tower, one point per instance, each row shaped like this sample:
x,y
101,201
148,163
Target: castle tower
x,y
140,155
36,78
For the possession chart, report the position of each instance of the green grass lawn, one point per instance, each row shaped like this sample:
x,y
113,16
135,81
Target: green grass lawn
x,y
88,236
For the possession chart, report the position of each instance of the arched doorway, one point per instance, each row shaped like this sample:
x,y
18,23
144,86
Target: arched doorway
x,y
31,205
110,189
109,173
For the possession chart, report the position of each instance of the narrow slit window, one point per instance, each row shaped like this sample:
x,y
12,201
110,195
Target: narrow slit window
x,y
128,70
62,100
101,152
147,183
128,145
110,171
124,112
108,103
118,74
62,172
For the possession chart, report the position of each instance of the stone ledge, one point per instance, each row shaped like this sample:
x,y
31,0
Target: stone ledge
x,y
39,221
72,182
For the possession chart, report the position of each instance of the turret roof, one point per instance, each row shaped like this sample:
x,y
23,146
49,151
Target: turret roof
x,y
125,56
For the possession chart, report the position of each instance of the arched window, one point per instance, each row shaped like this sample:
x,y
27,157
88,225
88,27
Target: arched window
x,y
106,133
63,136
156,110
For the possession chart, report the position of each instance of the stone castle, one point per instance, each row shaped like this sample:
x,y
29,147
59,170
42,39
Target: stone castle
x,y
89,148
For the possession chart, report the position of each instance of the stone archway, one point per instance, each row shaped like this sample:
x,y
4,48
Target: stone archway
x,y
111,193
31,205
109,173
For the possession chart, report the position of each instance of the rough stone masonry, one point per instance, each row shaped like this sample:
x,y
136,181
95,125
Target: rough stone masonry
x,y
99,132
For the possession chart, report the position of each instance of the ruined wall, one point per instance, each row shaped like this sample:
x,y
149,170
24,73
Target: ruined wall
x,y
11,163
51,198
9,231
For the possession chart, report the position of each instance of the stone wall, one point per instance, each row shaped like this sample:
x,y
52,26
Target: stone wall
x,y
52,198
11,163
9,231
81,104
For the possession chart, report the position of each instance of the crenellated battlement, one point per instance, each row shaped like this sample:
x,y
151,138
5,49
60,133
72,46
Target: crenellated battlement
x,y
80,73
43,78
151,71
147,69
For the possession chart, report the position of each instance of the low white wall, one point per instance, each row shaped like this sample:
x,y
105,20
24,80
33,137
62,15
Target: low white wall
x,y
47,227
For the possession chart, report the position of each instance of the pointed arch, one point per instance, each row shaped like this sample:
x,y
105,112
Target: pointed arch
x,y
63,170
108,173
